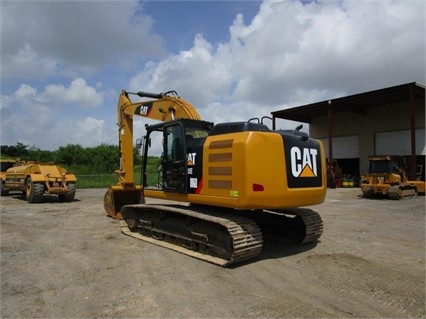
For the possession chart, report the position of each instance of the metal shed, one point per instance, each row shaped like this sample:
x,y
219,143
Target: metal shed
x,y
390,120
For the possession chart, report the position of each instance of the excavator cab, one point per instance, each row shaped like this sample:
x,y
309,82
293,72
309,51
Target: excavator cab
x,y
173,161
181,140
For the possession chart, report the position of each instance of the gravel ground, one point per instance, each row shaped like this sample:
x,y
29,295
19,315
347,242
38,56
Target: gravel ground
x,y
70,260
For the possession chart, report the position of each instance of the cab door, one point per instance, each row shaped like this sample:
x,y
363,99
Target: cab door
x,y
174,164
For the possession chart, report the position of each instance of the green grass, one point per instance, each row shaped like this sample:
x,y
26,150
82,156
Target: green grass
x,y
106,180
96,181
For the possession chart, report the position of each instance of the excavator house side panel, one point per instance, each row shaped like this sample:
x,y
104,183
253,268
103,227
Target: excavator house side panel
x,y
252,167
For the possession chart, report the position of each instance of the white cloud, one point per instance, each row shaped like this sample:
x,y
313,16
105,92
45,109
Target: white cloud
x,y
42,38
4,102
48,118
26,63
81,94
90,132
196,72
328,45
26,94
78,94
294,53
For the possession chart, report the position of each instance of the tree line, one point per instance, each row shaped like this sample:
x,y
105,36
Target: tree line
x,y
102,159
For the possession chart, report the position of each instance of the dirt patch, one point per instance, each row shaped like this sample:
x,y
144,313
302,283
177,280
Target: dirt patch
x,y
70,260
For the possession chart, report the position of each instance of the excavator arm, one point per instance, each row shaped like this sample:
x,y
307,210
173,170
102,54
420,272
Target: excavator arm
x,y
166,107
163,107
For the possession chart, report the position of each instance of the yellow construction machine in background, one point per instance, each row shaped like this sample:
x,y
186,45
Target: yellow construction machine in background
x,y
387,177
35,179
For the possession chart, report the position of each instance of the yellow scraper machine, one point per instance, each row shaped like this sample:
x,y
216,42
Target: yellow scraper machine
x,y
35,179
230,185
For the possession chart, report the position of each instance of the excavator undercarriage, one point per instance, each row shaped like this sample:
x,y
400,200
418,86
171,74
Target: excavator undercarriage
x,y
216,235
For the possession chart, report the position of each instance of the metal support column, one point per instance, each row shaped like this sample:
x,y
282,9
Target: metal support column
x,y
413,163
330,143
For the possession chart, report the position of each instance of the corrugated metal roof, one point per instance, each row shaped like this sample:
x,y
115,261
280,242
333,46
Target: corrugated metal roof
x,y
357,103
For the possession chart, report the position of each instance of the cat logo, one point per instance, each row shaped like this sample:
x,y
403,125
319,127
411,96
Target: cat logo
x,y
144,110
190,159
304,162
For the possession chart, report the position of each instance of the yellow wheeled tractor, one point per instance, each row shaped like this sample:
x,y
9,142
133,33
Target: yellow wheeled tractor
x,y
387,177
36,179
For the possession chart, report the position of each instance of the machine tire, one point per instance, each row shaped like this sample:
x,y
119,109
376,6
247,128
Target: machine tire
x,y
69,195
4,192
34,191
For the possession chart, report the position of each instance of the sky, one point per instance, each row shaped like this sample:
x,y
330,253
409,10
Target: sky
x,y
64,63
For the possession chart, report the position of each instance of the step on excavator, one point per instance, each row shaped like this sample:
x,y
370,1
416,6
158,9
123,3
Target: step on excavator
x,y
226,187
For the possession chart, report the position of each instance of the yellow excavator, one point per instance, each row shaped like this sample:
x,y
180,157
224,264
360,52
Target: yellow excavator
x,y
229,185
